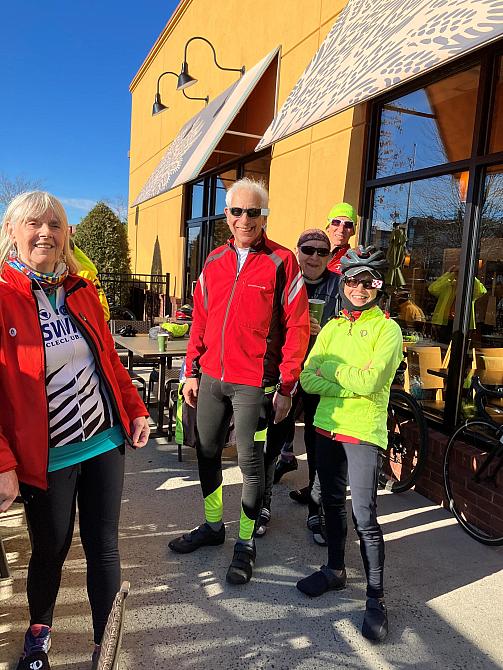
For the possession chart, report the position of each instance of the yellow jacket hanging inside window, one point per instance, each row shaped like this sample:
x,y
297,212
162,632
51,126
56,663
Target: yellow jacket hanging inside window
x,y
444,289
90,271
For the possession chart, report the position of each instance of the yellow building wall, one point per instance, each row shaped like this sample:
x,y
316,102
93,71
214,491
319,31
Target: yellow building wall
x,y
310,171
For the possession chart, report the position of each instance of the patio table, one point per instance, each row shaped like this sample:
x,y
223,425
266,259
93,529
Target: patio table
x,y
147,349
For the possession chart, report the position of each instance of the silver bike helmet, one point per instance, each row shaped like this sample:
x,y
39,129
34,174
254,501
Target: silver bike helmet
x,y
364,259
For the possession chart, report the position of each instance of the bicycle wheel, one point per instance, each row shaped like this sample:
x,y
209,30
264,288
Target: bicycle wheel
x,y
473,474
407,443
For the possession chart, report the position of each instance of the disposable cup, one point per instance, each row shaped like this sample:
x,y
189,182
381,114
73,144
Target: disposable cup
x,y
162,341
316,307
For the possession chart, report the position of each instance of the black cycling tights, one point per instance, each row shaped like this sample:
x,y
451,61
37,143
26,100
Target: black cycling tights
x,y
96,486
336,462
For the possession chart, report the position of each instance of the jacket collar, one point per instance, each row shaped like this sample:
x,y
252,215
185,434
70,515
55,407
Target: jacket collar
x,y
366,315
258,246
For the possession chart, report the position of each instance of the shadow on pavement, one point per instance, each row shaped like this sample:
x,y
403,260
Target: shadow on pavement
x,y
443,589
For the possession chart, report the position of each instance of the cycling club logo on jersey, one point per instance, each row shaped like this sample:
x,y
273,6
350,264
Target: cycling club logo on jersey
x,y
57,327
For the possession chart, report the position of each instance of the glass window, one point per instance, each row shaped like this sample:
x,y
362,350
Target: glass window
x,y
496,143
258,169
223,182
431,126
220,234
192,265
420,225
197,202
485,352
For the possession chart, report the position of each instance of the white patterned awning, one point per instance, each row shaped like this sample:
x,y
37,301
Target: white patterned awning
x,y
376,45
194,144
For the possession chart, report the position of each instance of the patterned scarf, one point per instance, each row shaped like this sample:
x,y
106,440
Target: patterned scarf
x,y
49,281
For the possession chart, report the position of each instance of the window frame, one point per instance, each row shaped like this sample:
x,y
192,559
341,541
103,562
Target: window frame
x,y
476,165
209,217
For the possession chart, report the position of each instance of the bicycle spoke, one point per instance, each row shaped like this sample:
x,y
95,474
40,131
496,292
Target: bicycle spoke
x,y
406,443
473,476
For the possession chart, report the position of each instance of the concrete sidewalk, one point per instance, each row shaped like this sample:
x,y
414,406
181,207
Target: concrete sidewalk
x,y
444,591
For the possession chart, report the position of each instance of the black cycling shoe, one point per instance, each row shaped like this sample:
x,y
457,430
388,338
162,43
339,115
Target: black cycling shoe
x,y
241,567
282,467
201,536
375,621
317,528
321,581
301,496
38,660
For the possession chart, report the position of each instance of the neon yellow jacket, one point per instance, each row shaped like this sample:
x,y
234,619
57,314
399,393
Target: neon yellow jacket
x,y
88,270
356,362
444,289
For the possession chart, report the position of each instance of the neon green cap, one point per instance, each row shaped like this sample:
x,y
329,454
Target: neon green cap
x,y
342,209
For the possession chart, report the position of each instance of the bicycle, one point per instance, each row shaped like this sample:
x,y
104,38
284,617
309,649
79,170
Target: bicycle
x,y
405,456
473,462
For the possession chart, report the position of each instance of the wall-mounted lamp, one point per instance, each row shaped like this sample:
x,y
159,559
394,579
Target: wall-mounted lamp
x,y
184,78
158,107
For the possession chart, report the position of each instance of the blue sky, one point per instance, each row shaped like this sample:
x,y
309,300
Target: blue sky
x,y
65,110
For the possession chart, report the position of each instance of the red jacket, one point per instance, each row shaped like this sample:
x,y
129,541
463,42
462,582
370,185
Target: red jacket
x,y
251,328
335,261
24,421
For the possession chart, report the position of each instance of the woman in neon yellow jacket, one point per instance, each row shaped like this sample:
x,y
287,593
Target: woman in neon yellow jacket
x,y
351,367
444,289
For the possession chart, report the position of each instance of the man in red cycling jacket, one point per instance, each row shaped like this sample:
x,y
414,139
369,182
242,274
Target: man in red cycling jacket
x,y
249,336
340,227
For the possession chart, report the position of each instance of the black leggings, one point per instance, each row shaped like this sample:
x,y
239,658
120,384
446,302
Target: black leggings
x,y
216,401
96,485
335,461
279,434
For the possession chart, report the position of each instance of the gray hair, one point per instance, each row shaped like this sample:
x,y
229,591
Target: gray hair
x,y
33,204
247,184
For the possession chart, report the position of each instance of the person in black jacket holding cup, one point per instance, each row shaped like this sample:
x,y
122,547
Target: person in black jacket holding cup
x,y
313,254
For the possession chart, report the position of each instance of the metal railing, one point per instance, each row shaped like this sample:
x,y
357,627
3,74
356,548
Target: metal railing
x,y
136,296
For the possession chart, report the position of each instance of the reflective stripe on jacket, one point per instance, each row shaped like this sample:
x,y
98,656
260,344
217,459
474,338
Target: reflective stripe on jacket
x,y
253,327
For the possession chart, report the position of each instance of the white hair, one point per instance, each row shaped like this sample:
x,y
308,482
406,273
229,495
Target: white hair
x,y
247,184
34,204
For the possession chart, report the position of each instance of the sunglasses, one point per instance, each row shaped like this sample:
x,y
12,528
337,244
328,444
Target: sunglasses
x,y
339,222
308,250
252,212
353,282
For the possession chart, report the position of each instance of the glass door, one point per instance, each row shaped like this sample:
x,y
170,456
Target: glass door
x,y
193,260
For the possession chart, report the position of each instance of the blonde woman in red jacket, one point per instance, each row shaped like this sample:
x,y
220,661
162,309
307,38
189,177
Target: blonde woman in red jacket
x,y
68,408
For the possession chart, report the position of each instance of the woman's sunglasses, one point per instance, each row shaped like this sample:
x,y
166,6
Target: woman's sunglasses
x,y
309,250
353,282
340,222
253,212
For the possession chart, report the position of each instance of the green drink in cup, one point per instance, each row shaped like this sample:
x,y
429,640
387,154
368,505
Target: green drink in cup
x,y
316,308
162,340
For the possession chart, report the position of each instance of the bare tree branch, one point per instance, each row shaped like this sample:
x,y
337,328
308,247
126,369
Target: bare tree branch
x,y
10,187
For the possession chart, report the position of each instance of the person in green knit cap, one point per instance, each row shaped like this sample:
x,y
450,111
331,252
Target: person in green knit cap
x,y
340,227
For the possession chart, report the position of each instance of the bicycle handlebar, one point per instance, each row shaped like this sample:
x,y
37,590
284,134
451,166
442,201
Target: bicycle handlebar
x,y
481,393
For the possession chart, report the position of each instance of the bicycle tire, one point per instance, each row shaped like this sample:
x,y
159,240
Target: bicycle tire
x,y
464,453
405,455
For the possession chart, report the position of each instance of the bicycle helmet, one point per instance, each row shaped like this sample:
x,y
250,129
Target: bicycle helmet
x,y
364,259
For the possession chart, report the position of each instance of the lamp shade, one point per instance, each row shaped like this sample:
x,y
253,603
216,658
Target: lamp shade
x,y
184,78
158,107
